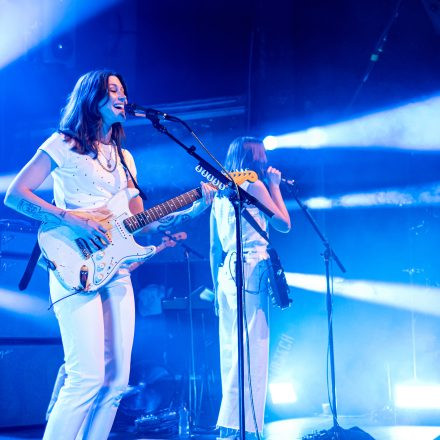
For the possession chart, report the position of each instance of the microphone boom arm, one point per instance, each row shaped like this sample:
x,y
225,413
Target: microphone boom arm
x,y
154,115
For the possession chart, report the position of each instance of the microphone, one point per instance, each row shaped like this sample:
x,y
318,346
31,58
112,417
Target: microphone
x,y
142,112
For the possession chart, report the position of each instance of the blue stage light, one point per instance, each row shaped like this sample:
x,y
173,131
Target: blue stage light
x,y
398,295
27,23
270,142
23,303
423,195
417,396
6,180
412,126
282,393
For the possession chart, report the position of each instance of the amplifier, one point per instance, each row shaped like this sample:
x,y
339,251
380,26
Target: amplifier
x,y
17,238
22,313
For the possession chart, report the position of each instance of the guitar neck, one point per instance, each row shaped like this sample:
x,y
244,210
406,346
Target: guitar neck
x,y
142,219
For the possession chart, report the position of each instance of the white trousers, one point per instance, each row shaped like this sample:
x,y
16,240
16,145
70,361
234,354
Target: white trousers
x,y
256,300
97,333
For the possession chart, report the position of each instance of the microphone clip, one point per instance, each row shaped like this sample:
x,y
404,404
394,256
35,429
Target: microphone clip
x,y
143,112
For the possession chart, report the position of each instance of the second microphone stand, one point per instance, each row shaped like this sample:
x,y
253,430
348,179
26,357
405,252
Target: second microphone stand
x,y
336,432
192,385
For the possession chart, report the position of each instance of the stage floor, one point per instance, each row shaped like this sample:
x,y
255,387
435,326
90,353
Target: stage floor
x,y
291,429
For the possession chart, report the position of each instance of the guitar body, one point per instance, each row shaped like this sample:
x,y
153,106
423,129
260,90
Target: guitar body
x,y
82,267
79,270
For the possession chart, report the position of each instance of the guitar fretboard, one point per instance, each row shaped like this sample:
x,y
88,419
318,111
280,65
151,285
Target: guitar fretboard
x,y
138,221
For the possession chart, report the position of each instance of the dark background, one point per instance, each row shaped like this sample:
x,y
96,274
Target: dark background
x,y
264,67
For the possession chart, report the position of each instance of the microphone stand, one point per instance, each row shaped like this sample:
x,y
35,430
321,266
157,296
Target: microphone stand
x,y
192,385
336,432
238,197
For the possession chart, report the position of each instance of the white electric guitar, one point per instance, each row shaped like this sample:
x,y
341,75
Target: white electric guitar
x,y
83,267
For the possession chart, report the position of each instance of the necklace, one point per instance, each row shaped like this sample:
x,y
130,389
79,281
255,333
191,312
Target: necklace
x,y
109,159
109,167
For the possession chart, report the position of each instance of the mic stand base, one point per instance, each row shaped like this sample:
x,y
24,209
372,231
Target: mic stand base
x,y
338,433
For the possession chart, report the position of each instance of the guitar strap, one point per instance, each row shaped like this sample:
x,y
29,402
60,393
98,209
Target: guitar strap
x,y
247,215
30,267
124,164
31,264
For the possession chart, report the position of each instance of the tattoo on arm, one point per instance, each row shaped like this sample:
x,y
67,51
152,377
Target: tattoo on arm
x,y
35,211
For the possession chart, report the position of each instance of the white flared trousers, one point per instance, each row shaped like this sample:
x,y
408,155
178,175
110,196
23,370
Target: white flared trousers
x,y
256,301
97,333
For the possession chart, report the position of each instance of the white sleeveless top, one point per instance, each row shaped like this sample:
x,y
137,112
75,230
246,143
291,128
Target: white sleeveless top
x,y
225,219
79,181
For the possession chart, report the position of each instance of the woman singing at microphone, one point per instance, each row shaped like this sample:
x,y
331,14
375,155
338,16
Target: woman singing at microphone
x,y
89,166
244,153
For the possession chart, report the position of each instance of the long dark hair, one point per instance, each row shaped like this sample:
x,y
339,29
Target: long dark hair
x,y
247,152
81,120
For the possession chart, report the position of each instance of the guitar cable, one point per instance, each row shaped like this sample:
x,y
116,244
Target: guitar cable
x,y
329,395
58,300
51,304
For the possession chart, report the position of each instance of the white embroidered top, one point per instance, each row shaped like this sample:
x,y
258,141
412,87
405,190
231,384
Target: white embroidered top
x,y
79,180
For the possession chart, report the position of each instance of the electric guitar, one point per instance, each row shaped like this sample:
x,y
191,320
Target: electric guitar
x,y
81,267
166,242
171,241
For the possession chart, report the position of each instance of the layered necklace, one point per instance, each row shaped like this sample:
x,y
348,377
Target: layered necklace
x,y
108,166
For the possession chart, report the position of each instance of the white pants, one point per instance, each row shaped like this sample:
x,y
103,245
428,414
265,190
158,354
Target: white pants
x,y
256,300
97,333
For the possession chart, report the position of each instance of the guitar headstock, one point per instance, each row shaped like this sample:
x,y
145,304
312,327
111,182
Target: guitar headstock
x,y
171,242
243,176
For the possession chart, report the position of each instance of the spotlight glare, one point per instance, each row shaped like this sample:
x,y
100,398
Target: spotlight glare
x,y
23,304
6,180
398,295
27,23
319,203
270,142
420,195
415,396
412,126
315,137
282,393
